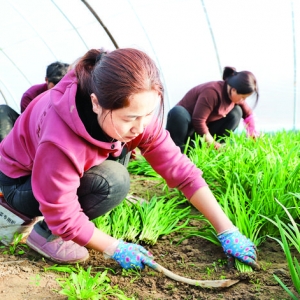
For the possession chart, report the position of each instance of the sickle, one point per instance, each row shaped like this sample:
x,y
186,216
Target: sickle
x,y
201,283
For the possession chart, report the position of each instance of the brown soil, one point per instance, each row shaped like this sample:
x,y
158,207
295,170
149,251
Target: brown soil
x,y
23,277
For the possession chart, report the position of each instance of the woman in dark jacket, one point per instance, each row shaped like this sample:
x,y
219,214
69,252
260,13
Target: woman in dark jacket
x,y
213,109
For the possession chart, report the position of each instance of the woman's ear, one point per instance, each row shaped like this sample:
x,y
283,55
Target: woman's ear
x,y
233,90
95,103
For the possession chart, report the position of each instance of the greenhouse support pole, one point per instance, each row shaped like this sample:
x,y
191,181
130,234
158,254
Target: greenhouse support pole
x,y
3,96
154,52
7,102
295,66
101,23
212,37
74,27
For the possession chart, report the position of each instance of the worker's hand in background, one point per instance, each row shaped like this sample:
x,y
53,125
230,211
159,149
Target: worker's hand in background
x,y
249,124
219,146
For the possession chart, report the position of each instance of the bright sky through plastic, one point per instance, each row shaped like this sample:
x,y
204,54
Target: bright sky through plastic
x,y
190,40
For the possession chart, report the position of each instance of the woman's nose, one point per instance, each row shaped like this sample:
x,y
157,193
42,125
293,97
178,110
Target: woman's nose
x,y
138,127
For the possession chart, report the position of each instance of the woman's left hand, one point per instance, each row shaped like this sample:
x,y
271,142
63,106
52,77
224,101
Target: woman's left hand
x,y
131,256
236,245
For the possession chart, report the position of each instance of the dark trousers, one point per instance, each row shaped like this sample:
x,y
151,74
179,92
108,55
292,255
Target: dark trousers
x,y
179,124
8,118
101,189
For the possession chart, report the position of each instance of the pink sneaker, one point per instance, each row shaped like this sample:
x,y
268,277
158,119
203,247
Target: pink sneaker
x,y
55,248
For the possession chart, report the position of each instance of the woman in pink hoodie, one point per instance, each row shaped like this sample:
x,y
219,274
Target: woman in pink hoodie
x,y
60,160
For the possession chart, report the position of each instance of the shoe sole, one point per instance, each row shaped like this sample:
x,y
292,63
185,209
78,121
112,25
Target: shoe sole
x,y
35,248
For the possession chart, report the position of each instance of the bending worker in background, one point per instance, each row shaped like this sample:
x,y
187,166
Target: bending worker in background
x,y
54,73
213,109
61,170
8,116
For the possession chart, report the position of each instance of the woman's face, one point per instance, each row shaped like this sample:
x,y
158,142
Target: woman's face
x,y
125,124
237,98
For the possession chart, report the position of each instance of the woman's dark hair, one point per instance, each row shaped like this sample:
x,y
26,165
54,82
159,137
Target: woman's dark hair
x,y
244,82
115,76
56,71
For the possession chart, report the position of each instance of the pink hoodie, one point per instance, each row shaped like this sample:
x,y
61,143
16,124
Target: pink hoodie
x,y
50,142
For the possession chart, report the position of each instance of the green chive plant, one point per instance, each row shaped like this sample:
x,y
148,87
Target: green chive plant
x,y
16,247
293,264
291,230
134,274
161,217
83,284
140,166
120,220
134,222
290,238
145,221
123,222
245,176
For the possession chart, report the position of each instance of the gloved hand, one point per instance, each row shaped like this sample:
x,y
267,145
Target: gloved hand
x,y
249,124
236,245
131,256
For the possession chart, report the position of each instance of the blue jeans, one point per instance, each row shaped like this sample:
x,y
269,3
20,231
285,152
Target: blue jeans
x,y
180,126
102,188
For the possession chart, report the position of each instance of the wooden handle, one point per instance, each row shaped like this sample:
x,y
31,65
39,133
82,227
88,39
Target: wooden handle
x,y
201,283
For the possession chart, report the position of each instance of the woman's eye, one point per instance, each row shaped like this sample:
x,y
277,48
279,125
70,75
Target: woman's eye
x,y
130,120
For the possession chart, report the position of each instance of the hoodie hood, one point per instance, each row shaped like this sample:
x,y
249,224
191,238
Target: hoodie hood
x,y
63,100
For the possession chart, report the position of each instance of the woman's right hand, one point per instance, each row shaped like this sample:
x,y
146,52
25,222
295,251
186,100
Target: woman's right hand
x,y
131,256
249,124
218,146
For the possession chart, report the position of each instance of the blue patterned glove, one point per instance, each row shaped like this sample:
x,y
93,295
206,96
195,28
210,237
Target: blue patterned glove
x,y
236,245
131,256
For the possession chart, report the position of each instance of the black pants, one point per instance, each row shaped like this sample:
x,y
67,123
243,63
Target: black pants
x,y
8,118
101,189
179,124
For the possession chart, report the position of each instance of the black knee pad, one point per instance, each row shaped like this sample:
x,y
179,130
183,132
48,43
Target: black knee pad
x,y
103,187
